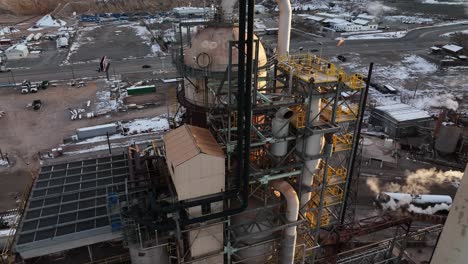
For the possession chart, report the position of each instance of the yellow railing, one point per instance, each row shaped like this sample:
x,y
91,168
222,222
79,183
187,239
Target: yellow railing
x,y
309,67
343,113
334,175
342,142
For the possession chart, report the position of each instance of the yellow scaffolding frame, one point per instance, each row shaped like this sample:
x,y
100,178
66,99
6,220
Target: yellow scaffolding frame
x,y
334,175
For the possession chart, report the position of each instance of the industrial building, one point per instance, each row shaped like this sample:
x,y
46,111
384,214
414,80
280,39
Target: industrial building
x,y
17,52
262,170
399,120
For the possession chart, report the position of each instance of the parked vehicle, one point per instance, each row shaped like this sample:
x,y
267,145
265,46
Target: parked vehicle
x,y
341,58
37,104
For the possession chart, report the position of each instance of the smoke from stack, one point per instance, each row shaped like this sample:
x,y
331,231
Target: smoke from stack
x,y
377,8
417,182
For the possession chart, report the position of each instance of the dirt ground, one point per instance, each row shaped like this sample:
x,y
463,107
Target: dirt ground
x,y
110,40
24,132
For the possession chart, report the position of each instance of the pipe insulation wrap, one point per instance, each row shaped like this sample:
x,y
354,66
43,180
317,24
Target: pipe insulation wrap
x,y
288,243
280,129
313,147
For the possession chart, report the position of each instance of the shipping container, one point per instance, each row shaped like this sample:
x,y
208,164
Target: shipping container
x,y
95,131
138,90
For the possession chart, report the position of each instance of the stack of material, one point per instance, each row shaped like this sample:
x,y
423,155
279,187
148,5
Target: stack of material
x,y
76,113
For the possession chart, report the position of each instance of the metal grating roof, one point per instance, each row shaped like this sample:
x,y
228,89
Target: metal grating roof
x,y
403,112
71,198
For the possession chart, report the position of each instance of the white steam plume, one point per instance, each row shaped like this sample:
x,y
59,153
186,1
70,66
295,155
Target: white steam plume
x,y
377,8
442,100
417,182
228,7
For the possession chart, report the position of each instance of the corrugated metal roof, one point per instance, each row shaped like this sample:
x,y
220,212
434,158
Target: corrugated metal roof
x,y
187,141
361,22
452,48
403,112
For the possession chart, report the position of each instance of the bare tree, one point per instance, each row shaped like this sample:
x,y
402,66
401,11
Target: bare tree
x,y
460,39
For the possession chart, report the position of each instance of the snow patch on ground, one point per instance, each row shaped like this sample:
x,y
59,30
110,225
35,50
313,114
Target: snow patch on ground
x,y
384,35
8,30
35,28
408,19
436,2
50,21
137,126
105,104
146,36
154,124
3,162
453,33
140,31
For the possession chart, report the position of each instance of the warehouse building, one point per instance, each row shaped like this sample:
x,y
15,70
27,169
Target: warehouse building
x,y
399,120
17,52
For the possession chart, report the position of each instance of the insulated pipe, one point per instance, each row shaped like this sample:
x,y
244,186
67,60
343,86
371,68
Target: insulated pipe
x,y
288,243
312,148
280,129
284,28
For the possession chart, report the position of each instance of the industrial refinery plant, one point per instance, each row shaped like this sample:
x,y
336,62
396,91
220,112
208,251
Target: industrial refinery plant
x,y
260,163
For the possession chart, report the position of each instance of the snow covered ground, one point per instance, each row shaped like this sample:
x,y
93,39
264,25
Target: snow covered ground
x,y
435,87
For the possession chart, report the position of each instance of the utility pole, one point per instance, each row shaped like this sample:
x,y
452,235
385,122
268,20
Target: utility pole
x,y
73,72
13,77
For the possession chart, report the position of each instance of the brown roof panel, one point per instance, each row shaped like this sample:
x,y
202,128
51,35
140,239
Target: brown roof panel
x,y
186,142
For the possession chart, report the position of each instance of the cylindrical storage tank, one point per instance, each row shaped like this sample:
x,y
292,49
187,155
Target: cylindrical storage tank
x,y
149,255
448,138
206,61
258,254
280,129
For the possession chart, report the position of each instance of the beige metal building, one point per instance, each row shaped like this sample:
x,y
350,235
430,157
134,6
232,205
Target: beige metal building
x,y
195,161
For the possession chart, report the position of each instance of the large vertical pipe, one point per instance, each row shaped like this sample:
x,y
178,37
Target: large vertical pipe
x,y
288,243
284,28
280,129
313,146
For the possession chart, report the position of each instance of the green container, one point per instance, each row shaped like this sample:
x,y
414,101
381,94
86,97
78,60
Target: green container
x,y
138,90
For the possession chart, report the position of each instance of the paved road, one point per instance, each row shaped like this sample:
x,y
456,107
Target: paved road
x,y
88,70
415,40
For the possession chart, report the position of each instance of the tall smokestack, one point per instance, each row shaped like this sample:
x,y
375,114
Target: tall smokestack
x,y
284,28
